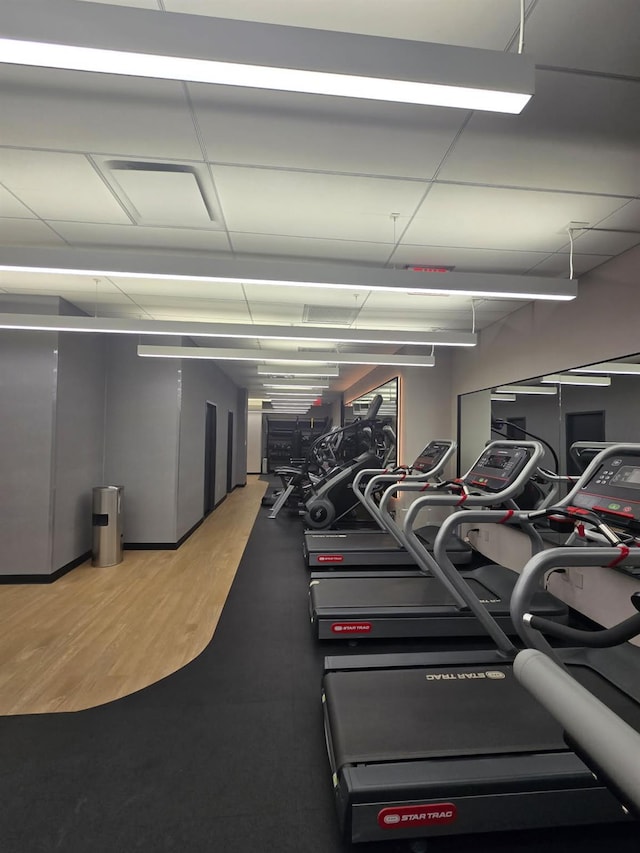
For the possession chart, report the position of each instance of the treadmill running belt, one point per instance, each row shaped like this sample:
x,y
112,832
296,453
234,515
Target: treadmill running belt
x,y
413,593
407,714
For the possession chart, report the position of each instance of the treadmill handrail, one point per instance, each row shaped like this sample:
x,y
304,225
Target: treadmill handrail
x,y
449,577
556,558
400,473
484,516
485,498
599,735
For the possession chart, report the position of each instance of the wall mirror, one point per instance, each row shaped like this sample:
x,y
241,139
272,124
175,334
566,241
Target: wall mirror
x,y
595,402
387,416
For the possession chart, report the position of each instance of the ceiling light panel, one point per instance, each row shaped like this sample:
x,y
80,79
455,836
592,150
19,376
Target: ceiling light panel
x,y
610,367
151,351
299,370
214,269
230,331
285,58
526,389
569,379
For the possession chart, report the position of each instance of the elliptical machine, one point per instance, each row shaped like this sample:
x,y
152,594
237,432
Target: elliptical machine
x,y
332,498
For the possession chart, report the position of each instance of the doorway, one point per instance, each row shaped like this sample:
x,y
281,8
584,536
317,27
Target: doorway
x,y
210,441
230,453
582,426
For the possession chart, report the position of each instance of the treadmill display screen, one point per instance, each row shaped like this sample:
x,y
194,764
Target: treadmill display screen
x,y
627,476
495,461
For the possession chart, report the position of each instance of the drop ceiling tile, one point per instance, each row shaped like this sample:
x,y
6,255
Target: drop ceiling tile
x,y
577,133
620,231
558,264
73,111
59,186
141,237
486,217
467,260
10,207
199,315
303,204
276,313
85,299
247,126
310,248
299,296
205,290
557,34
412,303
54,282
222,309
466,22
27,232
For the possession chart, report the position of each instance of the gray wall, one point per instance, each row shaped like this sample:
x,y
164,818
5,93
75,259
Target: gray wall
x,y
28,363
241,428
79,442
202,382
141,445
84,410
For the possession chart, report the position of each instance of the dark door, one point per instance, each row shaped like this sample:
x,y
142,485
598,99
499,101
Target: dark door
x,y
230,453
210,439
582,426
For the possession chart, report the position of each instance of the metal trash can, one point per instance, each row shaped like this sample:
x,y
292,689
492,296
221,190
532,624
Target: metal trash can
x,y
107,526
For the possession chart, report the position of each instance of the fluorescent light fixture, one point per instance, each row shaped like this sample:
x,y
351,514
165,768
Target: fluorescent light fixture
x,y
291,394
615,368
328,370
207,269
126,326
503,398
265,56
525,389
568,379
295,387
71,58
150,351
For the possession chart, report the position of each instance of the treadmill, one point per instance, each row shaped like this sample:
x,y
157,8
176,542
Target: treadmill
x,y
382,547
449,743
424,603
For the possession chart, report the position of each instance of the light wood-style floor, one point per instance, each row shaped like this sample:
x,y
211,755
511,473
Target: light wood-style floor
x,y
98,634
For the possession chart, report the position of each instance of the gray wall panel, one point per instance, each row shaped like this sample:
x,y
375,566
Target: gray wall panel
x,y
79,442
142,439
27,386
242,425
202,382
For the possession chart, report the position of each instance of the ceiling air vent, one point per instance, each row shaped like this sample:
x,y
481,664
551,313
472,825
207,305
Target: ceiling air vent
x,y
162,193
327,315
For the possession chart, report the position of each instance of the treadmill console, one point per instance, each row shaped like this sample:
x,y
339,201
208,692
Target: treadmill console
x,y
431,456
613,492
497,468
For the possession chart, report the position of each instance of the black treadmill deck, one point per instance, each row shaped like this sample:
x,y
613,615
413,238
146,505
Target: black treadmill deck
x,y
443,712
369,594
442,750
